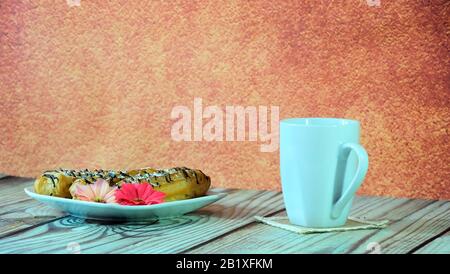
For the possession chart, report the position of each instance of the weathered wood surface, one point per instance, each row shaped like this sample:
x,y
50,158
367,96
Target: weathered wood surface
x,y
17,210
166,236
227,226
440,245
411,223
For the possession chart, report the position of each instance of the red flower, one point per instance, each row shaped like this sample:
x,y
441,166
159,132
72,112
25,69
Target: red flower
x,y
138,194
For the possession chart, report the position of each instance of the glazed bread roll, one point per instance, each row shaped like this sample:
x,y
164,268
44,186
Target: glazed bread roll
x,y
54,183
177,183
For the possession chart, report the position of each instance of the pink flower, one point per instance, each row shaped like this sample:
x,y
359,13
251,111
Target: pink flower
x,y
138,194
99,192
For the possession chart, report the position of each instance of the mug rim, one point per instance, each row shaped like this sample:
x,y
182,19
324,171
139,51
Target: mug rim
x,y
319,122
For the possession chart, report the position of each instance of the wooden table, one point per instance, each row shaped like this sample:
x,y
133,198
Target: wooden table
x,y
227,226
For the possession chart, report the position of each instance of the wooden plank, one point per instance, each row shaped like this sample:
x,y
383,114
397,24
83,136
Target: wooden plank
x,y
11,189
167,236
412,222
261,238
440,245
25,214
414,229
17,210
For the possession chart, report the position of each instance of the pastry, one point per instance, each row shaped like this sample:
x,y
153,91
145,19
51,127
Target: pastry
x,y
177,183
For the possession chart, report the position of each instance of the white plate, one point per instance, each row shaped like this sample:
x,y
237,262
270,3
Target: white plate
x,y
112,212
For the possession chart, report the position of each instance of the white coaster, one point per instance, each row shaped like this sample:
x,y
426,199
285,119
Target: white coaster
x,y
351,224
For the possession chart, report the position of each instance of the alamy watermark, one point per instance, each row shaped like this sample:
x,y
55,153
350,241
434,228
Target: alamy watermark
x,y
374,3
374,248
231,123
73,248
73,3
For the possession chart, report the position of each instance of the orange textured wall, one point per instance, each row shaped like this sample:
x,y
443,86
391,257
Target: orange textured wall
x,y
94,85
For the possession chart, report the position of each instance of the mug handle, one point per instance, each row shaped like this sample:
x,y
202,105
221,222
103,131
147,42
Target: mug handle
x,y
363,165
